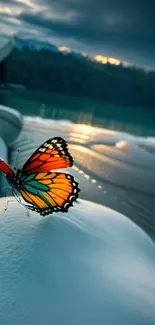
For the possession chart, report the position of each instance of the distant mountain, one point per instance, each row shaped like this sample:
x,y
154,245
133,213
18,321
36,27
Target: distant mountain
x,y
33,44
22,40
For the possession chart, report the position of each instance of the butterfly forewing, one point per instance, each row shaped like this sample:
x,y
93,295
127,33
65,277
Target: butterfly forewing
x,y
53,154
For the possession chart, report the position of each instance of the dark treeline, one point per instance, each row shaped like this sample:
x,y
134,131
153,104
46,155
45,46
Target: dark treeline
x,y
59,73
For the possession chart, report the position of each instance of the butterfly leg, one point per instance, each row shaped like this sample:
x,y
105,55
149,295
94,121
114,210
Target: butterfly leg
x,y
28,214
17,197
12,193
8,190
7,204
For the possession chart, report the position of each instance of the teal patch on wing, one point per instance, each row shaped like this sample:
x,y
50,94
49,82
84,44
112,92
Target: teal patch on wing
x,y
36,185
26,178
31,189
29,177
42,196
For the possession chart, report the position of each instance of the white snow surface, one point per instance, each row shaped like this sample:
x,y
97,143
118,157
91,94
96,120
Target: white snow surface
x,y
90,266
120,139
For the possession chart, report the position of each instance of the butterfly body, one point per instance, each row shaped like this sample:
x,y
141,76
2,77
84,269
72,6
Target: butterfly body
x,y
46,191
14,181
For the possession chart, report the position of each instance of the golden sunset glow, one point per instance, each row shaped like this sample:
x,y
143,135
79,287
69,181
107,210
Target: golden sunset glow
x,y
64,49
103,59
83,129
100,58
114,61
93,180
78,135
88,177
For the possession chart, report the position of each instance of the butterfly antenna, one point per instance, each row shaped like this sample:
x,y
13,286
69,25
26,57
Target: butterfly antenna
x,y
15,168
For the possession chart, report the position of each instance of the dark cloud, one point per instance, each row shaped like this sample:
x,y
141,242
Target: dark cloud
x,y
125,29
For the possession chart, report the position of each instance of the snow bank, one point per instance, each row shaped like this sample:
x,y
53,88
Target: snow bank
x,y
10,124
91,266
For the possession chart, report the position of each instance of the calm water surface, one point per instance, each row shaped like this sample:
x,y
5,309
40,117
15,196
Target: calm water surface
x,y
138,121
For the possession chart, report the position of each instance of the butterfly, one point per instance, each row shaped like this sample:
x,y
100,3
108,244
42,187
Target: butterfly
x,y
45,190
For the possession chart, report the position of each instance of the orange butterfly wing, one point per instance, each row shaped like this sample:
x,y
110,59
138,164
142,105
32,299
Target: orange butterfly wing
x,y
60,190
53,154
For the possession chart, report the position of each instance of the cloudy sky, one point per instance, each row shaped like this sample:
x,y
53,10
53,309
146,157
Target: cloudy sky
x,y
123,29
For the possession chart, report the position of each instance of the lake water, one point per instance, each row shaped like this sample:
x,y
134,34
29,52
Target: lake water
x,y
138,121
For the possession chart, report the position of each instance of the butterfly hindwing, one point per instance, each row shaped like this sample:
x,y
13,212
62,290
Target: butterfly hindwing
x,y
49,192
52,154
